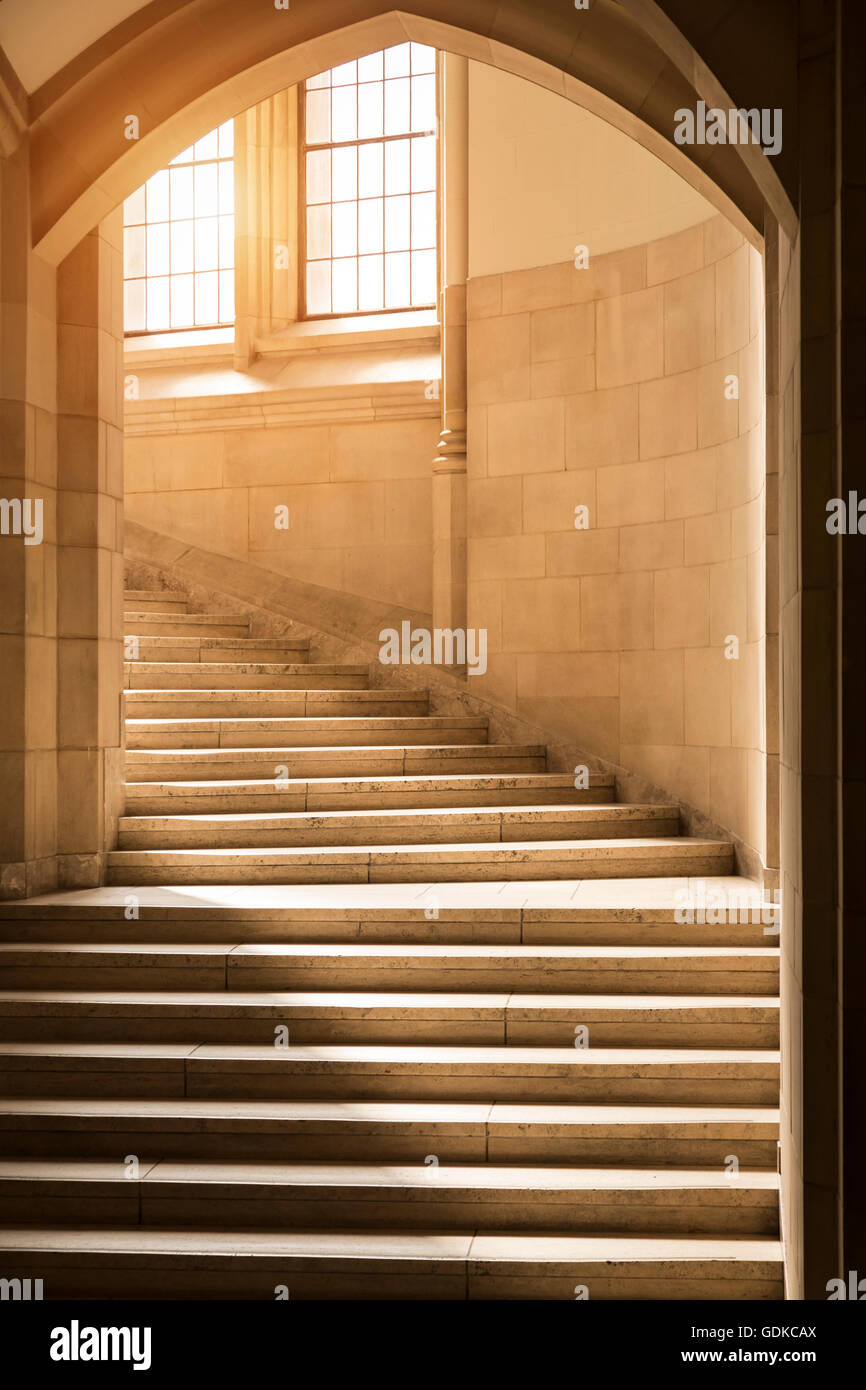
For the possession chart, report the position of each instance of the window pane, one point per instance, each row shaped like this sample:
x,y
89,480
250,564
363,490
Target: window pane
x,y
345,288
397,106
371,290
179,240
370,225
397,166
207,244
319,287
182,202
344,230
207,298
370,171
345,175
134,319
423,164
208,146
158,315
182,313
157,249
370,69
133,251
227,139
319,176
206,191
396,224
227,242
397,271
371,201
133,208
345,74
227,296
423,103
157,197
322,79
182,243
344,113
397,60
226,174
424,220
423,277
318,117
318,232
423,58
370,110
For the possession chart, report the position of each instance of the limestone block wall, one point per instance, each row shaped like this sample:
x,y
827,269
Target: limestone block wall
x,y
632,389
358,495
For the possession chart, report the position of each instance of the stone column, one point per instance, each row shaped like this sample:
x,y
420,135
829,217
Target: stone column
x,y
266,227
28,468
449,465
89,552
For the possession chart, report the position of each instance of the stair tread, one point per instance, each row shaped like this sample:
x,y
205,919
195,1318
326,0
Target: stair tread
x,y
615,811
635,844
383,1112
520,953
340,750
426,1055
142,1242
477,1177
386,1003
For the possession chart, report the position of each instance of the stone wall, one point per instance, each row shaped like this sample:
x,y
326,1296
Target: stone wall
x,y
610,388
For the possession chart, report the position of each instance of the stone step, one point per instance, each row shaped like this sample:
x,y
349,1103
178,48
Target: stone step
x,y
549,970
210,625
615,1020
154,601
429,914
378,731
242,675
622,1076
425,1196
94,1262
363,793
461,1132
502,824
216,649
520,860
282,704
215,765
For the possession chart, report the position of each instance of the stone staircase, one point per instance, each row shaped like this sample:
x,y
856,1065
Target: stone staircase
x,y
464,1050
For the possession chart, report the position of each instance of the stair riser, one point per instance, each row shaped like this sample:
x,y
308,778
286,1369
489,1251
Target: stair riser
x,y
275,1207
442,930
299,733
587,977
243,650
214,676
152,625
273,799
138,603
476,831
408,1031
530,1146
281,1084
111,1276
312,763
276,704
477,867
